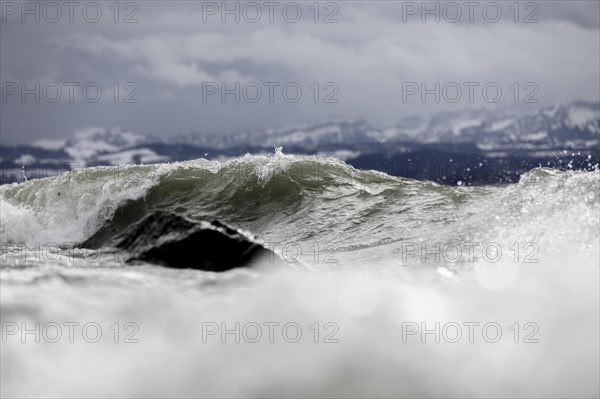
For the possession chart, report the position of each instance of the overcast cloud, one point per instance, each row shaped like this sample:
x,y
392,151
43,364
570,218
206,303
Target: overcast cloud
x,y
361,61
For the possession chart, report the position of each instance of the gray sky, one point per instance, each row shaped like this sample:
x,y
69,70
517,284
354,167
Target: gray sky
x,y
179,50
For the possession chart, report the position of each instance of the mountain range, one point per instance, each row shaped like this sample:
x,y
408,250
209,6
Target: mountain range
x,y
477,146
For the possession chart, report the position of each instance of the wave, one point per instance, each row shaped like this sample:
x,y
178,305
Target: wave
x,y
73,206
301,199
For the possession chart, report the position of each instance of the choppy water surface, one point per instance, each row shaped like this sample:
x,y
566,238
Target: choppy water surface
x,y
368,257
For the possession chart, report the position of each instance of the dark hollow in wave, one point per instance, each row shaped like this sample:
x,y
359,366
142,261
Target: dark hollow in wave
x,y
171,240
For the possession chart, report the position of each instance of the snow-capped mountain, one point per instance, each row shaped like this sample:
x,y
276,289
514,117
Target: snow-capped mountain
x,y
307,136
565,123
560,123
97,145
92,142
477,136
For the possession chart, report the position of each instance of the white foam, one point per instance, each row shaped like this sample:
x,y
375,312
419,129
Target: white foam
x,y
71,207
368,302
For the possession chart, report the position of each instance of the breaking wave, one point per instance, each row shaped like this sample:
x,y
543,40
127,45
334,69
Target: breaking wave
x,y
300,198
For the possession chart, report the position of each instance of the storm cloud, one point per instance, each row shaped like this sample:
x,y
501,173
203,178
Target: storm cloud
x,y
159,65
